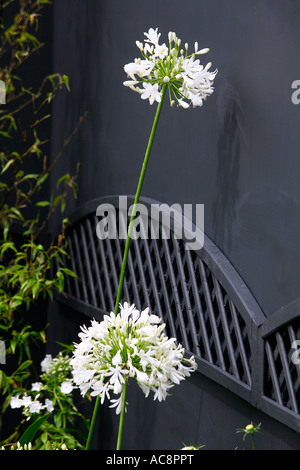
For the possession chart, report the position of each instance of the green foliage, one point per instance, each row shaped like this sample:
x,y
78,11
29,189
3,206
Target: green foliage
x,y
51,427
30,433
31,265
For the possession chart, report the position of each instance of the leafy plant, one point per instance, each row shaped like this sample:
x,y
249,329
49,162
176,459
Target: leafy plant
x,y
49,407
30,264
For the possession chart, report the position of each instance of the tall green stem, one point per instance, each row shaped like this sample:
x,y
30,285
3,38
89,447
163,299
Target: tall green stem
x,y
124,265
253,443
137,198
122,414
93,423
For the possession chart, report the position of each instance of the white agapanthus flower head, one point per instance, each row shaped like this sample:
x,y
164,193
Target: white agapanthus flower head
x,y
128,344
188,81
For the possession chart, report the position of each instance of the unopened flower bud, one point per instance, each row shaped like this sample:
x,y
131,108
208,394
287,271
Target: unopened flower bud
x,y
196,46
203,51
130,83
166,79
139,45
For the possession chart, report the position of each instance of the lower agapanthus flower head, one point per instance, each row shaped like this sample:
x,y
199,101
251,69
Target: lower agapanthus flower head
x,y
129,344
188,81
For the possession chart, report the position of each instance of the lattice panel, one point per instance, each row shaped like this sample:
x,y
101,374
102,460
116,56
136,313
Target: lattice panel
x,y
282,374
174,282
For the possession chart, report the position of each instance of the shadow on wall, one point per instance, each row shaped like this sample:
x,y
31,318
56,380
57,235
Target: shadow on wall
x,y
231,124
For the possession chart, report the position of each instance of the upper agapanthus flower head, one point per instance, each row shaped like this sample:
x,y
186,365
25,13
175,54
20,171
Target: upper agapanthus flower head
x,y
128,344
188,81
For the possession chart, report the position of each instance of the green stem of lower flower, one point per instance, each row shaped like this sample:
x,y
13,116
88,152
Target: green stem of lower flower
x,y
137,198
93,423
122,414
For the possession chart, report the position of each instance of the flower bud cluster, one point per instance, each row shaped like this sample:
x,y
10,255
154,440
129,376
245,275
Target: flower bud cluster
x,y
188,81
128,344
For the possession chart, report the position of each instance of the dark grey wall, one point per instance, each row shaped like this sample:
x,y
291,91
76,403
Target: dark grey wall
x,y
238,155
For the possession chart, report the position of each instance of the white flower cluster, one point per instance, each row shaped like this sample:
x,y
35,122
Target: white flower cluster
x,y
128,344
188,81
57,367
31,405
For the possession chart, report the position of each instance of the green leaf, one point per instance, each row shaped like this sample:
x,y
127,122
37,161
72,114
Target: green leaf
x,y
66,80
60,278
69,272
43,204
10,162
30,433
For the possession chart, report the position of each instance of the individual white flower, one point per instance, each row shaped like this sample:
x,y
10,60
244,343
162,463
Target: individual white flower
x,y
131,344
152,36
161,51
141,68
16,402
36,387
26,400
188,81
66,387
151,92
117,403
35,406
49,405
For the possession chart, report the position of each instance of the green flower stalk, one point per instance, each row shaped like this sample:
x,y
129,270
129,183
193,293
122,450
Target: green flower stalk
x,y
129,343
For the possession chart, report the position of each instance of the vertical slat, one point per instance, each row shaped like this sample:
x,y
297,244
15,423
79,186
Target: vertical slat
x,y
164,291
88,266
273,373
211,315
240,341
186,299
175,292
106,275
225,328
199,311
120,255
286,371
73,267
80,266
96,267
